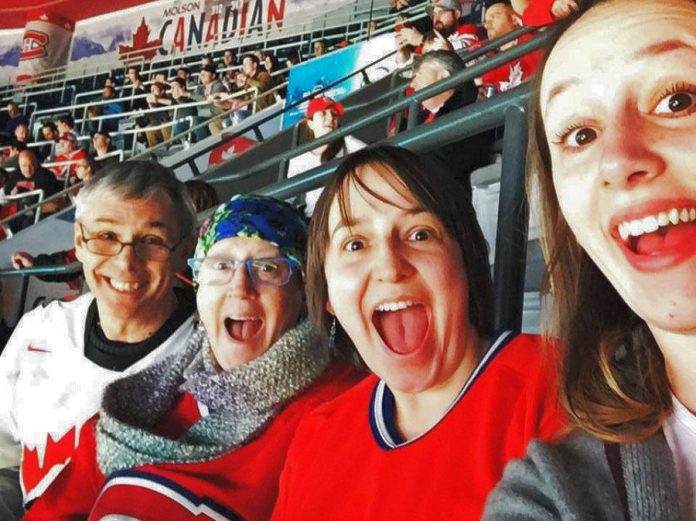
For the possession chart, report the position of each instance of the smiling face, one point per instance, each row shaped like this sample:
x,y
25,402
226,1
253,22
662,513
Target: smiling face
x,y
323,122
244,319
125,285
397,285
622,150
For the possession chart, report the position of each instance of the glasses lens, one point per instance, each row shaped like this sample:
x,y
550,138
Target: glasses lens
x,y
271,271
104,246
155,252
213,271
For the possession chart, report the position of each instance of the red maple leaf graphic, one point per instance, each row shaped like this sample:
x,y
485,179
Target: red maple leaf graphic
x,y
142,45
56,453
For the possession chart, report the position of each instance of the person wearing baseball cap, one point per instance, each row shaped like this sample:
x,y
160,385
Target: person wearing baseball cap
x,y
68,154
445,15
323,116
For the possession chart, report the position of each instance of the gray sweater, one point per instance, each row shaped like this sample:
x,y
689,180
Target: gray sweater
x,y
573,482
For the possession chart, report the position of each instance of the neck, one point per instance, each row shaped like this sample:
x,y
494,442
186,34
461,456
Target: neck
x,y
418,412
680,360
138,327
436,102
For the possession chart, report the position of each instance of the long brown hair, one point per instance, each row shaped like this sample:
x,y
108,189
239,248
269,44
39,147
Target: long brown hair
x,y
613,380
438,193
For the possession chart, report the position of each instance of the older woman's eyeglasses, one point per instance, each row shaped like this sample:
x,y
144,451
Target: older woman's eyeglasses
x,y
216,271
146,248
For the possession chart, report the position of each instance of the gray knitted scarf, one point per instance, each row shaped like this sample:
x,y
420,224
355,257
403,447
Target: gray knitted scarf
x,y
241,402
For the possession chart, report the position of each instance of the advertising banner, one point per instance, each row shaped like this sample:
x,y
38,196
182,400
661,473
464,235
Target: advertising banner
x,y
45,45
311,76
174,27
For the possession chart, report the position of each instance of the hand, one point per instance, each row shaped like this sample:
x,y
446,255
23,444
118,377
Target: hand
x,y
563,8
15,191
241,79
232,104
410,36
21,259
151,99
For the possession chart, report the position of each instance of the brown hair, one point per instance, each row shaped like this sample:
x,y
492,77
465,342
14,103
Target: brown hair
x,y
438,193
613,379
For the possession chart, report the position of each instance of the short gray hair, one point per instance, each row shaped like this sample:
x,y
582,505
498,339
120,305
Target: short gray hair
x,y
445,60
140,180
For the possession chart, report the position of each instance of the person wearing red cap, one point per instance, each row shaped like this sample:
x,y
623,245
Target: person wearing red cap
x,y
323,115
68,152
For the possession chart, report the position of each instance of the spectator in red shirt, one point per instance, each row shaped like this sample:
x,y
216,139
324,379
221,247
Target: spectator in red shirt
x,y
446,20
500,19
67,149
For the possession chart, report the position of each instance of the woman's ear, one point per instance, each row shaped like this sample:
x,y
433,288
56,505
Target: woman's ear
x,y
329,307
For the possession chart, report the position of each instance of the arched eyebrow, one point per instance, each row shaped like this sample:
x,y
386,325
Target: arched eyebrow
x,y
352,223
557,90
663,47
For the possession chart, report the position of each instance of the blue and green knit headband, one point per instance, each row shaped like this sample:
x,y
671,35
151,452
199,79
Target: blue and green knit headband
x,y
256,216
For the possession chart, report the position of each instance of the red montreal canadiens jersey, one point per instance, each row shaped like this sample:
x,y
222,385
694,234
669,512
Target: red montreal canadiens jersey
x,y
241,484
348,461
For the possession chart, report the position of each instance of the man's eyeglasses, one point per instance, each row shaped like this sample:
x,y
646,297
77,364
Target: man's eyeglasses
x,y
147,248
217,271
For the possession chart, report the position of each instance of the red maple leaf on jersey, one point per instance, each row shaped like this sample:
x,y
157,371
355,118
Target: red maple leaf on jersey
x,y
142,45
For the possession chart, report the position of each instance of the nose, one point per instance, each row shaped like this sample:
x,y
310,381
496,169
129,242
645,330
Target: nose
x,y
126,258
241,285
629,157
389,261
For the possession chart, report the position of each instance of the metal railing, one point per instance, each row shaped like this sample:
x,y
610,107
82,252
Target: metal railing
x,y
410,102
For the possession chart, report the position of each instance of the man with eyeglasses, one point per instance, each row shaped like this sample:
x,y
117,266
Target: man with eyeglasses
x,y
133,232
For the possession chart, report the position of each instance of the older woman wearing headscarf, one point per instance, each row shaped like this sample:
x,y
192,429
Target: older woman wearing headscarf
x,y
206,431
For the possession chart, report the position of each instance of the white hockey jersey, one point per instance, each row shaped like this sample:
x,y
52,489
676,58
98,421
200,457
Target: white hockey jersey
x,y
48,389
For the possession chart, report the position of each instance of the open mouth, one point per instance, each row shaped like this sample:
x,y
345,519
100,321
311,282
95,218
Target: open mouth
x,y
661,233
123,286
402,325
244,329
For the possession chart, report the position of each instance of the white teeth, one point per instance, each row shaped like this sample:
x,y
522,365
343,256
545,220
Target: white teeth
x,y
652,223
674,216
624,231
124,286
394,306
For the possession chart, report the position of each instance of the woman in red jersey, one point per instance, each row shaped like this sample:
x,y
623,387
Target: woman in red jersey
x,y
204,434
613,154
398,272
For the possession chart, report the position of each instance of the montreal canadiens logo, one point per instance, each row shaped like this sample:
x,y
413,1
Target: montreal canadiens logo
x,y
34,45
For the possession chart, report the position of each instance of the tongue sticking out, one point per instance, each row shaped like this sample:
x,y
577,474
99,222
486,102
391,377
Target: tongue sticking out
x,y
665,239
242,330
403,331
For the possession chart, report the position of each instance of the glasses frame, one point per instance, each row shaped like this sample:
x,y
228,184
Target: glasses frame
x,y
292,263
133,244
